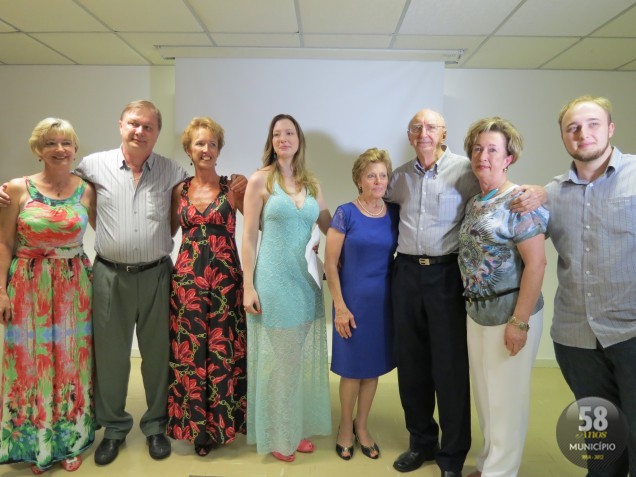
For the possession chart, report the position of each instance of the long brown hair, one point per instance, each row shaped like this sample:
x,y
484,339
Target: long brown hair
x,y
301,175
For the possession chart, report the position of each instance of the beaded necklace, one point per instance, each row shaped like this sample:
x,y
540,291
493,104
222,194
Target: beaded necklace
x,y
368,212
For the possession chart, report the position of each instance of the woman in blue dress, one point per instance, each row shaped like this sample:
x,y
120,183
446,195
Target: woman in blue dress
x,y
361,241
287,385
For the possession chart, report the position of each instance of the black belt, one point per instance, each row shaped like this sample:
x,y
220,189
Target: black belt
x,y
472,299
131,268
425,260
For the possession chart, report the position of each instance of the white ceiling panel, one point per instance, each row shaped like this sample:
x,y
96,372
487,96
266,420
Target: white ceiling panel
x,y
596,54
134,31
625,25
287,40
347,41
351,16
517,52
19,49
437,42
111,51
629,67
48,15
562,17
5,27
146,43
456,17
247,16
144,15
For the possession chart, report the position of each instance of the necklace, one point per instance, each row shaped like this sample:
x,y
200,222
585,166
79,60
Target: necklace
x,y
57,188
371,213
488,195
492,193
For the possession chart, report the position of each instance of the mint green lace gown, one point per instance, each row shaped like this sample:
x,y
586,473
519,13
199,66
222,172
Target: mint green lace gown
x,y
287,373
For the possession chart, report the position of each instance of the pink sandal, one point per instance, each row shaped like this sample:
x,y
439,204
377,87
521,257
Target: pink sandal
x,y
284,458
72,463
37,470
306,446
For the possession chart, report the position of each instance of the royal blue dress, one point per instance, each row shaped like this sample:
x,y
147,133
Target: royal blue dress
x,y
365,270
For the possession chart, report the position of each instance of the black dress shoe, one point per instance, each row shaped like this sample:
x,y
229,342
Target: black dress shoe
x,y
451,473
107,450
158,446
411,460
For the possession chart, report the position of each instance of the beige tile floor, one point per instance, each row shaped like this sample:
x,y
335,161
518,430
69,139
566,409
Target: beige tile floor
x,y
542,457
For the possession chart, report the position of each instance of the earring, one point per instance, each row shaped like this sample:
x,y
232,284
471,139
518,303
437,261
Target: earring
x,y
505,169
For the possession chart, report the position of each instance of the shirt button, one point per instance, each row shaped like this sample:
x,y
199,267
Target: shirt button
x,y
587,227
587,249
589,294
587,272
591,318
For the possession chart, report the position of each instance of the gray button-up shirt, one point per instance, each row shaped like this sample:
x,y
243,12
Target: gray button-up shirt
x,y
133,224
432,203
593,228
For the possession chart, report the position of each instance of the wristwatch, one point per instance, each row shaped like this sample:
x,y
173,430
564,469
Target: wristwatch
x,y
522,325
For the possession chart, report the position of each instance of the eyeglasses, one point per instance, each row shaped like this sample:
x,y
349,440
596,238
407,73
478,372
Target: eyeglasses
x,y
417,128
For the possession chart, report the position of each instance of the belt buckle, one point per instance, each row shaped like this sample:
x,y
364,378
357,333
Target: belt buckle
x,y
424,261
132,268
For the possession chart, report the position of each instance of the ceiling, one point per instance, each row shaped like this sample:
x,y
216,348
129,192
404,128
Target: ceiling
x,y
520,34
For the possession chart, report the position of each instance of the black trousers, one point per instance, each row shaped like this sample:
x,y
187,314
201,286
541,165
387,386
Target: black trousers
x,y
429,317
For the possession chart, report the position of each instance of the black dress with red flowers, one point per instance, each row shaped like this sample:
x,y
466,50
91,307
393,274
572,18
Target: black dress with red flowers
x,y
208,384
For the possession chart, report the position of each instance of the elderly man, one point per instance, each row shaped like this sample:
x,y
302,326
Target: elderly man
x,y
593,228
428,306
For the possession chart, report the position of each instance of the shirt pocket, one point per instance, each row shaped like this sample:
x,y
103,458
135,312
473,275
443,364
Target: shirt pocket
x,y
158,205
620,217
448,207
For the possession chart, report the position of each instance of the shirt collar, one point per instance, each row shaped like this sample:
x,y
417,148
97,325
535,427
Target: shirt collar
x,y
436,167
148,163
613,165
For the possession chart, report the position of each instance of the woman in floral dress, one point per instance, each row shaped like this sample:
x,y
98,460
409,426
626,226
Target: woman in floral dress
x,y
206,400
45,305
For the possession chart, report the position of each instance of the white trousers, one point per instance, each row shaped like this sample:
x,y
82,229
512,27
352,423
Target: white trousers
x,y
501,388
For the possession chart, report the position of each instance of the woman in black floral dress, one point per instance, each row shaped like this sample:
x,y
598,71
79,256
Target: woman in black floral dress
x,y
206,400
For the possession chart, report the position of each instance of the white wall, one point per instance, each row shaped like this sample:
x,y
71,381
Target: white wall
x,y
532,101
92,99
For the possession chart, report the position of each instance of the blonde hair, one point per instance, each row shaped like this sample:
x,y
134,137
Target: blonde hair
x,y
142,104
598,100
301,175
370,156
514,140
203,122
48,127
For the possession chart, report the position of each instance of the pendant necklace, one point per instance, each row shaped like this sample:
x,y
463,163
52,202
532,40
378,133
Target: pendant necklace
x,y
492,193
371,213
489,195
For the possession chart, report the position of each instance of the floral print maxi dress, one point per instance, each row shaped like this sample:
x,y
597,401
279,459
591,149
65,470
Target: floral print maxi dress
x,y
47,405
206,397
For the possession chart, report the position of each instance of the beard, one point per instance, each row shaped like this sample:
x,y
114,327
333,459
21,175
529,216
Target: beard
x,y
591,155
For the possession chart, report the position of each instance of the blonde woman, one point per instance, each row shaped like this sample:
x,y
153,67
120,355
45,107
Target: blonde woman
x,y
361,241
45,306
288,390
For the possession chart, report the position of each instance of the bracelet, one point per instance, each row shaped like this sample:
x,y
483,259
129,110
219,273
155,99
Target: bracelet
x,y
522,325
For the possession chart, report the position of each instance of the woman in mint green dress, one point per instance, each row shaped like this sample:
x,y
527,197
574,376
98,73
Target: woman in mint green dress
x,y
45,307
288,389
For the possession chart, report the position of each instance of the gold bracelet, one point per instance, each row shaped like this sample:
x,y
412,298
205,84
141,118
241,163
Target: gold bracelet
x,y
522,325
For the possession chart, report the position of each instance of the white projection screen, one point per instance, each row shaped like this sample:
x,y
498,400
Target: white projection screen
x,y
343,107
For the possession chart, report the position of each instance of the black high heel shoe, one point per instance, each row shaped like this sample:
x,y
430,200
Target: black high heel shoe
x,y
345,453
368,451
203,449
